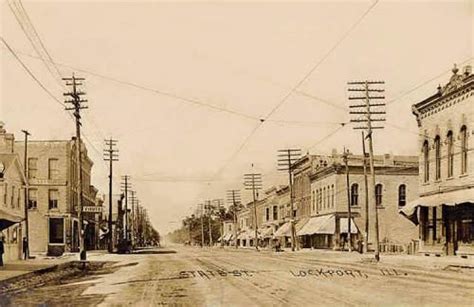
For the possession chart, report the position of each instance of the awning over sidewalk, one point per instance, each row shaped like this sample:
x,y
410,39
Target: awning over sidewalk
x,y
246,235
453,198
344,226
285,229
325,224
266,232
8,218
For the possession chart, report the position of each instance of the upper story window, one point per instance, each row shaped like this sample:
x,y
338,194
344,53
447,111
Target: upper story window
x,y
53,199
324,197
53,169
267,214
402,195
32,198
437,142
313,200
464,150
275,213
449,140
426,161
320,199
329,198
332,195
378,194
12,197
32,168
354,194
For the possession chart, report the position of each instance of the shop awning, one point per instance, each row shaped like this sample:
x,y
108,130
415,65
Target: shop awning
x,y
246,234
266,232
227,237
285,229
453,198
344,226
8,218
325,224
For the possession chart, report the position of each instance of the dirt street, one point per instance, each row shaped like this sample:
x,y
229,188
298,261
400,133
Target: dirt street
x,y
225,277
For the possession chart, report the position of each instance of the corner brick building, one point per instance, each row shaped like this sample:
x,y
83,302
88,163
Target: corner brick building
x,y
396,183
52,199
445,208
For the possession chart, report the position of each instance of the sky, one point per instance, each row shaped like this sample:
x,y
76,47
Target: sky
x,y
182,85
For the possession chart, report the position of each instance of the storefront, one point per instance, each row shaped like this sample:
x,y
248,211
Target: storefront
x,y
327,232
446,222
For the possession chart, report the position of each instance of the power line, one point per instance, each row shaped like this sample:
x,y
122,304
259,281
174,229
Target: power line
x,y
310,72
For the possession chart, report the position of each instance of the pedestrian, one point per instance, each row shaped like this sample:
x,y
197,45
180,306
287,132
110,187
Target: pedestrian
x,y
25,248
2,249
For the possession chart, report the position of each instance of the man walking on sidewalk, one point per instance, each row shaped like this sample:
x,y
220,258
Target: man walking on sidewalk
x,y
25,248
2,249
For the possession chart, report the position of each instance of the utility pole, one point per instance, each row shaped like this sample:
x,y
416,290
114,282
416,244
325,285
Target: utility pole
x,y
208,209
133,200
77,106
201,207
253,181
286,159
233,197
111,155
25,165
366,192
349,209
126,186
366,110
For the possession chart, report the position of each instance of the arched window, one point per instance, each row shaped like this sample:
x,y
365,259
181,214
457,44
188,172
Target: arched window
x,y
378,194
320,199
449,140
332,196
426,161
354,194
402,195
328,198
437,157
324,197
463,150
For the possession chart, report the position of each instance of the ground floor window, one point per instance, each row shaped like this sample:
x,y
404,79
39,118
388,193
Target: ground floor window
x,y
56,230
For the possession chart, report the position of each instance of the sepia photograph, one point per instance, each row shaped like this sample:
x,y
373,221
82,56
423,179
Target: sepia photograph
x,y
236,153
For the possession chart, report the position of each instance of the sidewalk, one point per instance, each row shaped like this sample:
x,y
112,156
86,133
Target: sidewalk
x,y
41,262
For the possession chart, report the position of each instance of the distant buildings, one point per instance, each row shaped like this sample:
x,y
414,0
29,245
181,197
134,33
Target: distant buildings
x,y
445,207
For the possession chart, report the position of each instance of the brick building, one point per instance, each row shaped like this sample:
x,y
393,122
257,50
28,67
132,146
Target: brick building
x,y
396,183
52,199
445,209
12,191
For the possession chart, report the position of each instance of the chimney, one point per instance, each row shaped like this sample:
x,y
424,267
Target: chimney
x,y
388,159
467,70
7,140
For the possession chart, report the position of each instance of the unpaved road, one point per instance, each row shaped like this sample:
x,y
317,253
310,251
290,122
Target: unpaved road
x,y
225,277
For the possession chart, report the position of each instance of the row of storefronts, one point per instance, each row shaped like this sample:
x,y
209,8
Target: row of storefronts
x,y
424,203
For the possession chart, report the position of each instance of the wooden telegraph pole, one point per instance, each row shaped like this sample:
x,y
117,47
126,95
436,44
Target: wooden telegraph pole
x,y
286,159
364,111
25,165
77,106
366,192
111,155
233,197
349,209
126,186
253,182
